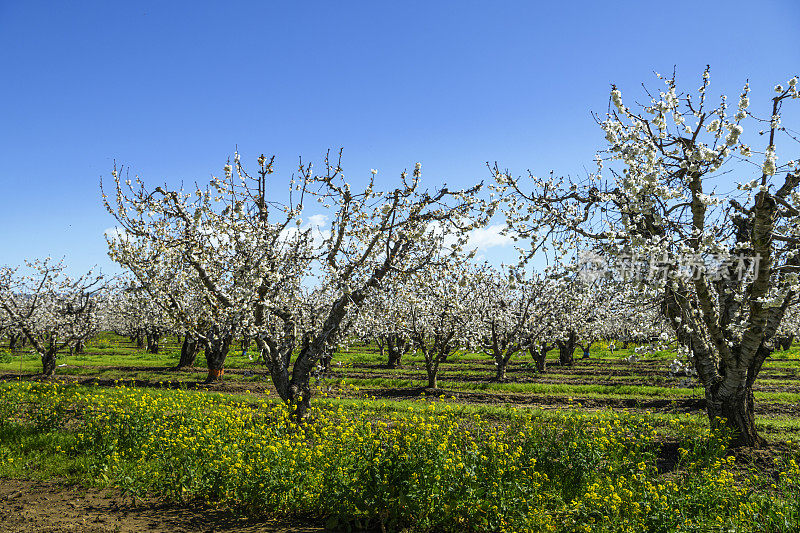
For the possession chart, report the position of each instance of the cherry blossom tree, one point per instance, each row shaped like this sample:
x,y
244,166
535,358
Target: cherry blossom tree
x,y
441,317
212,258
383,319
510,310
241,248
725,264
54,311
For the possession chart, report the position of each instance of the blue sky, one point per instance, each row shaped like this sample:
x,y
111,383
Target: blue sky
x,y
170,88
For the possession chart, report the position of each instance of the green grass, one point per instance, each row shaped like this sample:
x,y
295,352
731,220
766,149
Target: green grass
x,y
109,357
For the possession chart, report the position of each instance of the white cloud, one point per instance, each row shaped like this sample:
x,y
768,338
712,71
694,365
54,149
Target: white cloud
x,y
488,237
315,223
317,220
116,234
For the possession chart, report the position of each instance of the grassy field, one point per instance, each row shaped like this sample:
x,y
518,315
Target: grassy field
x,y
603,380
604,445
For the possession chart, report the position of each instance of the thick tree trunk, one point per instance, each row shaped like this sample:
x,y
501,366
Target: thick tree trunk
x,y
296,390
566,350
434,356
49,362
431,356
539,356
394,359
80,347
500,375
300,398
432,378
189,351
785,341
736,408
139,338
12,341
153,340
216,352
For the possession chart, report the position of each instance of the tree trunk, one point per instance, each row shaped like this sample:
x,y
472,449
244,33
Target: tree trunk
x,y
502,365
296,391
139,339
539,356
300,398
394,359
381,342
784,342
80,347
189,351
432,378
216,352
397,347
587,348
12,341
566,350
49,362
736,408
153,342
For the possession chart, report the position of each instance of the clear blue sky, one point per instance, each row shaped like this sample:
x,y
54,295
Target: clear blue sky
x,y
171,88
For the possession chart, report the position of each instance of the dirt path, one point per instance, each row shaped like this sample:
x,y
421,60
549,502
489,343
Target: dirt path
x,y
46,507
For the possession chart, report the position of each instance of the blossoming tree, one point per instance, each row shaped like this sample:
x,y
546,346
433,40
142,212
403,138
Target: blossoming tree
x,y
442,317
54,311
725,264
242,249
514,314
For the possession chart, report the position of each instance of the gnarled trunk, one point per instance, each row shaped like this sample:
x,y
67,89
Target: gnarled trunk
x,y
80,347
539,356
190,349
433,380
12,341
433,376
300,396
735,407
153,340
435,356
49,360
216,352
139,339
566,349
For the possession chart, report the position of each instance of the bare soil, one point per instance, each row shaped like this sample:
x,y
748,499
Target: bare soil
x,y
48,507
